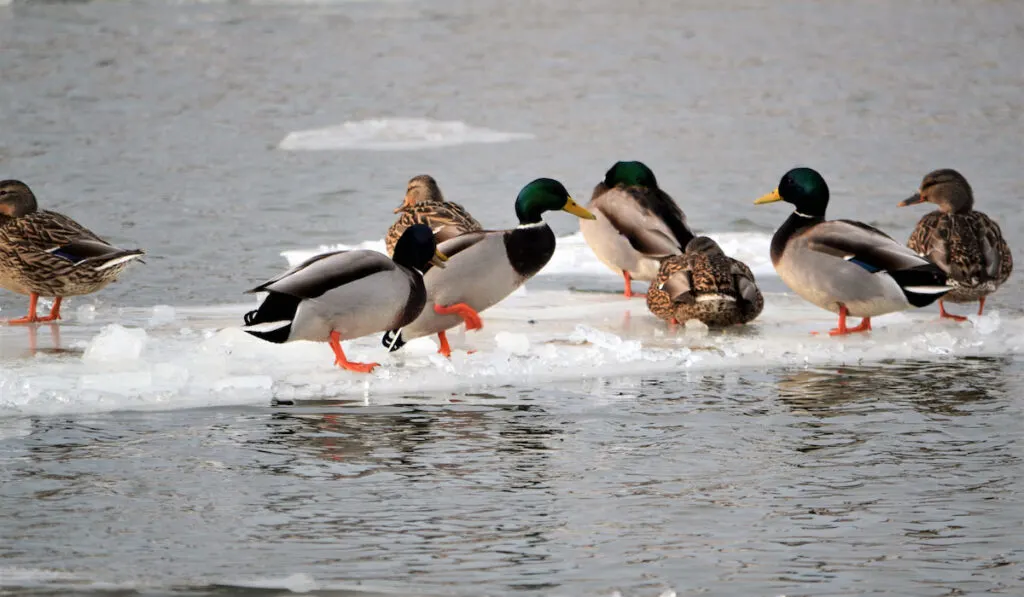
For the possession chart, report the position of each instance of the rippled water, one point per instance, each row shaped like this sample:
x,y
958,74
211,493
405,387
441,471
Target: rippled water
x,y
885,465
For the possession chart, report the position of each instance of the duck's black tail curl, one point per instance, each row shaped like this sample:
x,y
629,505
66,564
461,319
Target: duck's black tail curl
x,y
922,285
275,308
392,340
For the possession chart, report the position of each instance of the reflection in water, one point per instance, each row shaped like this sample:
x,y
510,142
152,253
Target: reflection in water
x,y
31,346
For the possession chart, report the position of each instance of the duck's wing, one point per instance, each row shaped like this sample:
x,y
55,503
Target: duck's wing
x,y
49,240
863,245
321,273
743,279
649,220
677,282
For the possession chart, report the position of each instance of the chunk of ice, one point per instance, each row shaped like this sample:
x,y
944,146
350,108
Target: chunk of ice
x,y
116,343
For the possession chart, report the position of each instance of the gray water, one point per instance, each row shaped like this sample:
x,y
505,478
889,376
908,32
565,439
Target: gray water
x,y
156,124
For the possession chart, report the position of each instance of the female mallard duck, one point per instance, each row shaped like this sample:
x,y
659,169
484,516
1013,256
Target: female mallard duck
x,y
704,284
424,204
342,295
44,253
486,266
966,244
844,266
636,224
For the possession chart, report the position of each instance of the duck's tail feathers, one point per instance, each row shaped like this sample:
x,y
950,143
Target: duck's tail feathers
x,y
922,285
392,340
277,311
124,257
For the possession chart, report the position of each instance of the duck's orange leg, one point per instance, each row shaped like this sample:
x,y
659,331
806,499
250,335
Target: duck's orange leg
x,y
54,311
627,290
343,362
445,349
33,300
945,315
981,306
470,317
842,330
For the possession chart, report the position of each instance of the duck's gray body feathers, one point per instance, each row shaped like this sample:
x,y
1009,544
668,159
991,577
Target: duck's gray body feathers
x,y
354,293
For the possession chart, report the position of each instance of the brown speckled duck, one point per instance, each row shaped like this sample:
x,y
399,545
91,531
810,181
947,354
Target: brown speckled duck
x,y
966,244
424,204
44,253
704,284
637,224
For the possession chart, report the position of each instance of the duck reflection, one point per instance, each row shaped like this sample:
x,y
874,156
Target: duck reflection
x,y
10,347
932,387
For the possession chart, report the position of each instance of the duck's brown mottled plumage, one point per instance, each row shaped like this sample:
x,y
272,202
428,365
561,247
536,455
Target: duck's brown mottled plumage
x,y
424,204
966,244
49,254
704,284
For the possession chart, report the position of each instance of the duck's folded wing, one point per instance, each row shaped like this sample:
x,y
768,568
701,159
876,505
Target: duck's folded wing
x,y
646,232
327,271
746,285
863,245
455,245
93,252
679,287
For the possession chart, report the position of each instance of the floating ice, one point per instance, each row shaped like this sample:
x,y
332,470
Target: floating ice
x,y
116,343
394,134
512,342
162,314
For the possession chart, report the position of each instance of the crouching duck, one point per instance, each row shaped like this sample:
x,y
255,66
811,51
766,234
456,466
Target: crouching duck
x,y
704,284
486,266
967,244
44,253
844,266
343,295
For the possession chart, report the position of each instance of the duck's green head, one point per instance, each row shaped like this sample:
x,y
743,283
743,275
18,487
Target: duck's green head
x,y
16,199
804,188
630,174
417,248
545,194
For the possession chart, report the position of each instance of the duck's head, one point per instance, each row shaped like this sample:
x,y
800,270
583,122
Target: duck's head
x,y
946,188
703,245
630,174
804,188
16,199
417,248
421,188
545,194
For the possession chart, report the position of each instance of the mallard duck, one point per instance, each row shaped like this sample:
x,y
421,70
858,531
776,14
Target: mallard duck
x,y
844,266
636,224
342,295
966,244
704,284
486,266
44,253
424,204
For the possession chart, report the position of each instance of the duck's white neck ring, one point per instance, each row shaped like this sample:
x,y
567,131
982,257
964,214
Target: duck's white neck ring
x,y
533,225
803,215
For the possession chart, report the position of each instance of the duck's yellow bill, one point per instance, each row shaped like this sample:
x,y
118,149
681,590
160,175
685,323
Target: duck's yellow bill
x,y
769,198
577,210
438,259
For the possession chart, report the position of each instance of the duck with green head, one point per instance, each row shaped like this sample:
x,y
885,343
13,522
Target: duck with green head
x,y
967,244
636,224
486,266
844,266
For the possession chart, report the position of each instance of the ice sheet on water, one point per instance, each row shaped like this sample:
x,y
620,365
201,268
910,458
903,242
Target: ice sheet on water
x,y
538,336
383,134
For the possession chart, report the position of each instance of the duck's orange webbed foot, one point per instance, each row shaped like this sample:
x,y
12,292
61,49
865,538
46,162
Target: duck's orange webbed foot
x,y
341,361
469,316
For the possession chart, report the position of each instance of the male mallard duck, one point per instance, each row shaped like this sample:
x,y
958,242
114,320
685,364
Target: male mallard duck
x,y
844,266
636,224
342,295
486,266
704,284
966,244
424,204
44,253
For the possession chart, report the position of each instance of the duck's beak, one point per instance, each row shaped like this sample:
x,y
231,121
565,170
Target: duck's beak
x,y
577,210
407,202
438,259
911,200
769,198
